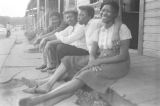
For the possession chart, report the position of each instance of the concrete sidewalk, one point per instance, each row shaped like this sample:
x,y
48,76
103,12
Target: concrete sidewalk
x,y
16,61
6,44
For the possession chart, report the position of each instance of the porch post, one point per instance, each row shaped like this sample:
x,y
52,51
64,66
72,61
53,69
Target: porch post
x,y
38,14
60,6
141,27
46,13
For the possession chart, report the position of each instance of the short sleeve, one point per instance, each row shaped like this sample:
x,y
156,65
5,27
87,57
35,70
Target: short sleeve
x,y
63,33
124,32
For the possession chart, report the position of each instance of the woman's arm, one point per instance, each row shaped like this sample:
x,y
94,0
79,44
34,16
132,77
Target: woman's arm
x,y
93,51
116,37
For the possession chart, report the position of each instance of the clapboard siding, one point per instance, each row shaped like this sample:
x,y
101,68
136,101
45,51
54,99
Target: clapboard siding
x,y
152,29
152,21
150,52
152,5
152,37
151,44
152,13
150,0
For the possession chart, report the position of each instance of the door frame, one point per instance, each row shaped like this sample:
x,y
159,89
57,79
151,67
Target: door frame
x,y
141,27
139,50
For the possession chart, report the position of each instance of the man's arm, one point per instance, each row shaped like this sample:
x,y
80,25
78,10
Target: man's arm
x,y
60,28
77,34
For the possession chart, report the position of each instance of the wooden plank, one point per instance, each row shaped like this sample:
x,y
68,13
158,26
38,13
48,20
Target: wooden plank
x,y
141,27
141,61
152,29
152,13
152,53
152,21
149,0
152,5
152,45
152,37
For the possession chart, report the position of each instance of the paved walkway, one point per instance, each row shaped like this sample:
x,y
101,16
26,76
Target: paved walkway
x,y
16,61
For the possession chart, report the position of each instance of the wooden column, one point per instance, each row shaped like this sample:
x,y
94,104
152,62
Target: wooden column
x,y
38,14
46,13
141,27
60,6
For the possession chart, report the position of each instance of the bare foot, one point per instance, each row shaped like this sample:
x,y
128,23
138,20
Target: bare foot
x,y
45,87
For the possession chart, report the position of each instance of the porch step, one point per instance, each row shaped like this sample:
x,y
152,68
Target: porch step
x,y
141,85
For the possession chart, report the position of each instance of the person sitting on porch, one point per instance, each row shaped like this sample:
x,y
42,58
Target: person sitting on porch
x,y
57,24
106,64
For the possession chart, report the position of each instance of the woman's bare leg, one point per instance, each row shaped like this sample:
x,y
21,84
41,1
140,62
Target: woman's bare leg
x,y
52,102
67,88
60,71
46,84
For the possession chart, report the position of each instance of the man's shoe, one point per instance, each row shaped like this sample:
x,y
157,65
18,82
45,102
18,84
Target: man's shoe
x,y
41,67
47,68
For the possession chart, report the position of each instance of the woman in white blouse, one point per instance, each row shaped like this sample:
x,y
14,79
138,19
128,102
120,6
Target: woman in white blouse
x,y
106,63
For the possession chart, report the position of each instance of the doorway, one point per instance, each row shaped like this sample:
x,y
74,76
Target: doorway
x,y
130,16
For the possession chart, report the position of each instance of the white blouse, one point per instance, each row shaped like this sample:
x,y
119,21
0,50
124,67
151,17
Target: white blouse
x,y
104,36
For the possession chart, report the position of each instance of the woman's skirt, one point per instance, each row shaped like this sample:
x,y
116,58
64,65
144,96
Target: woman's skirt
x,y
102,79
97,80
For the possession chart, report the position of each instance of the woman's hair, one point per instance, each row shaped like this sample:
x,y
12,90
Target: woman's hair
x,y
113,4
90,10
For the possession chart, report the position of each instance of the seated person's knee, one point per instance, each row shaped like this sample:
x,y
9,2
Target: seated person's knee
x,y
48,45
60,47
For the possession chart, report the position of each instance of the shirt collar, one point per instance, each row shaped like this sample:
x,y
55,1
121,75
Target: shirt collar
x,y
89,22
103,29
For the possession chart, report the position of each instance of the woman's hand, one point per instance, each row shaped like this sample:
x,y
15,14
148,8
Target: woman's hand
x,y
96,68
93,65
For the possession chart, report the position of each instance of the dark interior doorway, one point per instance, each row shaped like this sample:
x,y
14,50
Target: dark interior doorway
x,y
130,16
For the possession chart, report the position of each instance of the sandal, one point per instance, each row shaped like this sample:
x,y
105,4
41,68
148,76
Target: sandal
x,y
51,71
46,69
41,67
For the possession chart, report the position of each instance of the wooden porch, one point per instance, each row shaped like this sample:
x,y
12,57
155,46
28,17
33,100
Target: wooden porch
x,y
141,86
